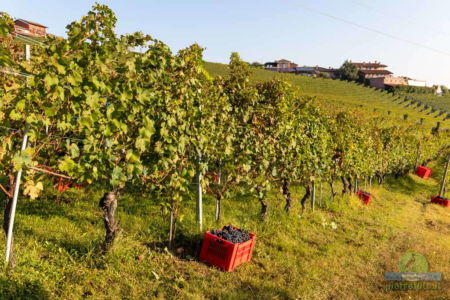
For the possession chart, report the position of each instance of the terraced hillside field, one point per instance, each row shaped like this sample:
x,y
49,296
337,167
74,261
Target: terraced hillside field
x,y
439,102
349,93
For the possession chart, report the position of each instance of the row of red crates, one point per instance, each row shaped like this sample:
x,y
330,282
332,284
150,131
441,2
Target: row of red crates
x,y
421,171
367,197
425,172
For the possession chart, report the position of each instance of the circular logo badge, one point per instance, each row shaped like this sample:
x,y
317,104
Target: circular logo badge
x,y
413,262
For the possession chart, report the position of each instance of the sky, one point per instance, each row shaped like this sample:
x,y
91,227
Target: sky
x,y
412,37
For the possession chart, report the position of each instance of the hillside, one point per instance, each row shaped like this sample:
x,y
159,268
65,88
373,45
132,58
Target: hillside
x,y
348,93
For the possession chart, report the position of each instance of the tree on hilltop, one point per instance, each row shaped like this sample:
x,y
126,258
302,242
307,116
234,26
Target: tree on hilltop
x,y
348,71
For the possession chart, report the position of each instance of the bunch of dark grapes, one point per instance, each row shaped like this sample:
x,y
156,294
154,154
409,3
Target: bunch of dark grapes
x,y
236,236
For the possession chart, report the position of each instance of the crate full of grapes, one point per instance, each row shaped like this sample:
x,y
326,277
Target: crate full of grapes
x,y
227,248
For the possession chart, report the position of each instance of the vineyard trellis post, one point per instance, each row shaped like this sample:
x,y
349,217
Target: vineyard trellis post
x,y
219,182
320,195
27,52
12,212
199,196
313,195
417,156
444,177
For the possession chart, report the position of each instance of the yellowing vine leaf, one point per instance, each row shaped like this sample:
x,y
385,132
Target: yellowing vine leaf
x,y
33,190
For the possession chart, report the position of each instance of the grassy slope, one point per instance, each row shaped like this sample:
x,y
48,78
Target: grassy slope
x,y
294,257
347,93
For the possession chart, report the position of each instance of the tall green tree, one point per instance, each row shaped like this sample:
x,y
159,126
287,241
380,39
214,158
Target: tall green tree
x,y
348,71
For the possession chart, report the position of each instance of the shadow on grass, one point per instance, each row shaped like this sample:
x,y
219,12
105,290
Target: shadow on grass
x,y
44,208
408,186
79,251
185,246
10,289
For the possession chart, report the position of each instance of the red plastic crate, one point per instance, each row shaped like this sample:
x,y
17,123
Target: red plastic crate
x,y
364,196
441,201
224,254
423,172
63,185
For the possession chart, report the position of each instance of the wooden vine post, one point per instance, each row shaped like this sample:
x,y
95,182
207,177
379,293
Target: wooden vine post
x,y
313,195
320,195
444,177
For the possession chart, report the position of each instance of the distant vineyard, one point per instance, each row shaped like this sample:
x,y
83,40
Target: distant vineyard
x,y
439,102
347,94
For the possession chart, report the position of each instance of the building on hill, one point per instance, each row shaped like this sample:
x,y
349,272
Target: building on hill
x,y
282,65
368,74
29,28
371,70
376,75
316,71
415,82
286,66
369,65
388,81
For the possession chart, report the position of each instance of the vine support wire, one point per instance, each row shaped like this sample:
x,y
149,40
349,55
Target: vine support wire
x,y
12,213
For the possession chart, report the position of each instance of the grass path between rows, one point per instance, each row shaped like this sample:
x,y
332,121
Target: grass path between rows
x,y
338,252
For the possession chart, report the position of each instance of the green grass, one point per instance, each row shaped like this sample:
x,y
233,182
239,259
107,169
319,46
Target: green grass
x,y
58,238
347,94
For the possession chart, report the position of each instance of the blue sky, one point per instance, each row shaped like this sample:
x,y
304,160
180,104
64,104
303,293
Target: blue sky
x,y
268,30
